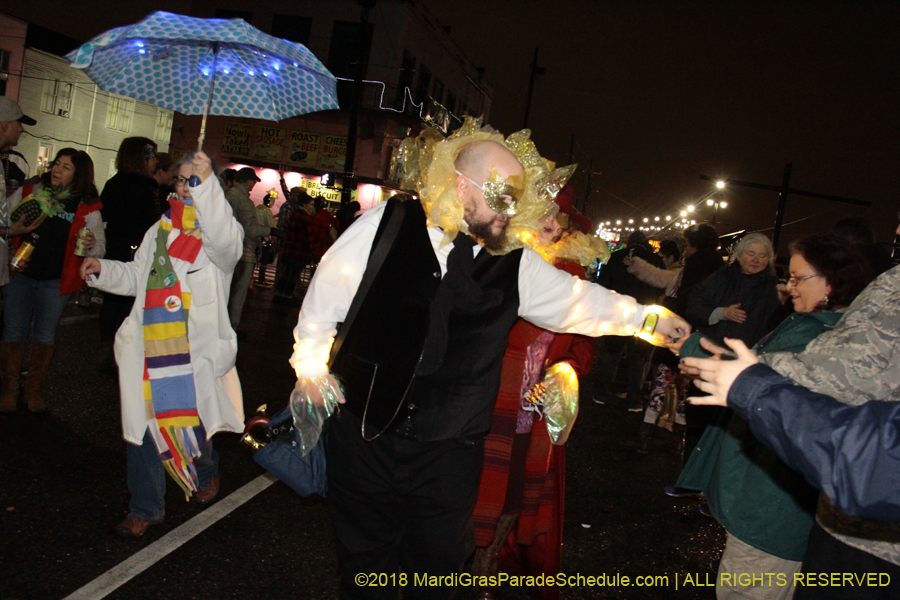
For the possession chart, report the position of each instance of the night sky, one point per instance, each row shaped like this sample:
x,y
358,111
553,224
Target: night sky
x,y
659,93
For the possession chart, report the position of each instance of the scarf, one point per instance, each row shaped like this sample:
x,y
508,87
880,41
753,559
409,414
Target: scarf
x,y
169,392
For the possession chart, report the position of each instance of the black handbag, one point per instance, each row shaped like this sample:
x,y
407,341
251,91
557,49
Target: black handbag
x,y
274,440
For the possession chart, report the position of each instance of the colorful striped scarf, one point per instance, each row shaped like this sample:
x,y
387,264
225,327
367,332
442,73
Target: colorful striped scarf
x,y
169,393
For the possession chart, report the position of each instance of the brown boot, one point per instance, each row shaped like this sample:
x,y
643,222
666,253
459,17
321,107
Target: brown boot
x,y
10,365
41,354
487,560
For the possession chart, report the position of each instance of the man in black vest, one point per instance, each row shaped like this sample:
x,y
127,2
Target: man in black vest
x,y
420,367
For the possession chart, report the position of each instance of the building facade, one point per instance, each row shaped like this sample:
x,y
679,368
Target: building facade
x,y
73,112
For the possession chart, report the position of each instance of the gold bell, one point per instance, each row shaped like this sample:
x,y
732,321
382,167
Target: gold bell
x,y
261,418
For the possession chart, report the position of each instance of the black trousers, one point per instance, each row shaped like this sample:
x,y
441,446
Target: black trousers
x,y
113,312
825,554
637,355
402,510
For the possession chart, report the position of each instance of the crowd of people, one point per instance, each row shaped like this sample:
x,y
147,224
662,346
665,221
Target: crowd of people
x,y
452,329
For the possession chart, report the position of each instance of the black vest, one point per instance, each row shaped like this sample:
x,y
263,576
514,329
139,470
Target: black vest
x,y
377,361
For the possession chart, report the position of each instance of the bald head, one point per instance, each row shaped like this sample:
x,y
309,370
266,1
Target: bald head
x,y
478,158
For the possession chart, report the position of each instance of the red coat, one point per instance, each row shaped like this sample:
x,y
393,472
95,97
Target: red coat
x,y
534,545
70,278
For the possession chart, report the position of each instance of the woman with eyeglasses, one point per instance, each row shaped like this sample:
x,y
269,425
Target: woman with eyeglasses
x,y
130,207
69,198
176,349
766,507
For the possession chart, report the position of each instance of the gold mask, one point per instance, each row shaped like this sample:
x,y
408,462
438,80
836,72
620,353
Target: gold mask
x,y
500,194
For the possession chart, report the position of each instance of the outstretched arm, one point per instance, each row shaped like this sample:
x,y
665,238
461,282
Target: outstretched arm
x,y
851,453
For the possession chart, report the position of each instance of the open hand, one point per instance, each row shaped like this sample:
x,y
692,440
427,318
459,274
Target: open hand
x,y
717,376
716,351
734,313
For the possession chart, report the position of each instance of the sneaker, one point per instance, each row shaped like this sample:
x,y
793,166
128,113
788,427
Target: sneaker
x,y
207,493
704,510
679,492
622,395
134,526
636,406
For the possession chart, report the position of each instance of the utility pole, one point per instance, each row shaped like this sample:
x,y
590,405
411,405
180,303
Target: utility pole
x,y
535,71
362,65
587,192
784,191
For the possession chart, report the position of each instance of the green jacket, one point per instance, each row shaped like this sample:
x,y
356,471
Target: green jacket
x,y
750,491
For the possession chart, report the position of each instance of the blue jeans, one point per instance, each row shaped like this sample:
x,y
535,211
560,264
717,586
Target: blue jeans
x,y
24,297
147,476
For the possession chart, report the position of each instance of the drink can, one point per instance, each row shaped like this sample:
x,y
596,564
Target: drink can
x,y
22,254
80,250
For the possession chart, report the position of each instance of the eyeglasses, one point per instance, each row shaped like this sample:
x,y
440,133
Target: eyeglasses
x,y
795,281
179,180
498,195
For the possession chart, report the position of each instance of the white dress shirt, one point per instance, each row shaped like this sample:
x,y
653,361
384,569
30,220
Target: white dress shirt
x,y
548,297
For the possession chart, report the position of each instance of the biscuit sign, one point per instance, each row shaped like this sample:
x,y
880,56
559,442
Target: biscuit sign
x,y
303,148
236,140
313,188
268,143
332,153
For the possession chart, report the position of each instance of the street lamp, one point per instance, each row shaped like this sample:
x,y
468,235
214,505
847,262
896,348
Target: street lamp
x,y
716,204
720,185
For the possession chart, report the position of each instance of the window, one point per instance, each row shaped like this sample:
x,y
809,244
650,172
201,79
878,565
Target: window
x,y
57,98
44,156
437,91
423,84
345,50
292,28
163,125
4,71
224,13
407,71
120,113
451,102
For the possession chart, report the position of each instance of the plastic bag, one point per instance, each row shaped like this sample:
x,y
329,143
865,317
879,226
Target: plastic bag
x,y
560,401
313,401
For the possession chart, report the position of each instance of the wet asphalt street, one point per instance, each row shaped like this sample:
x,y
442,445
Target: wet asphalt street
x,y
62,490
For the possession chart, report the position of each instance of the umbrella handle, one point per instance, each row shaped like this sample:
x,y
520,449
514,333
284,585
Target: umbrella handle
x,y
194,180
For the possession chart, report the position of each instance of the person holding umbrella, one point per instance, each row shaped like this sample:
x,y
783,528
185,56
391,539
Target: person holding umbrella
x,y
176,359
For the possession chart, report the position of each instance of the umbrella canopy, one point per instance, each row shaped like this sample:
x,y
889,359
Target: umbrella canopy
x,y
176,62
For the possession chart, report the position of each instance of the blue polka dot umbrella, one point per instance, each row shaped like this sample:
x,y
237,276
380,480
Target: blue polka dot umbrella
x,y
209,67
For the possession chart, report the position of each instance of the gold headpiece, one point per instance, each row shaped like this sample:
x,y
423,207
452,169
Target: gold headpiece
x,y
426,165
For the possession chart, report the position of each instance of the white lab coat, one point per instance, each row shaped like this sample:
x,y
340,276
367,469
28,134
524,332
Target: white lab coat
x,y
212,340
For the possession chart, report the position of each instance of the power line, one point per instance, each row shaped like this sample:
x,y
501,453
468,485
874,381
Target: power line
x,y
47,137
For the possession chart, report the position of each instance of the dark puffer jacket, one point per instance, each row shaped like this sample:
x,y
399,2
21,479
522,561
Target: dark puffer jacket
x,y
615,276
755,293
